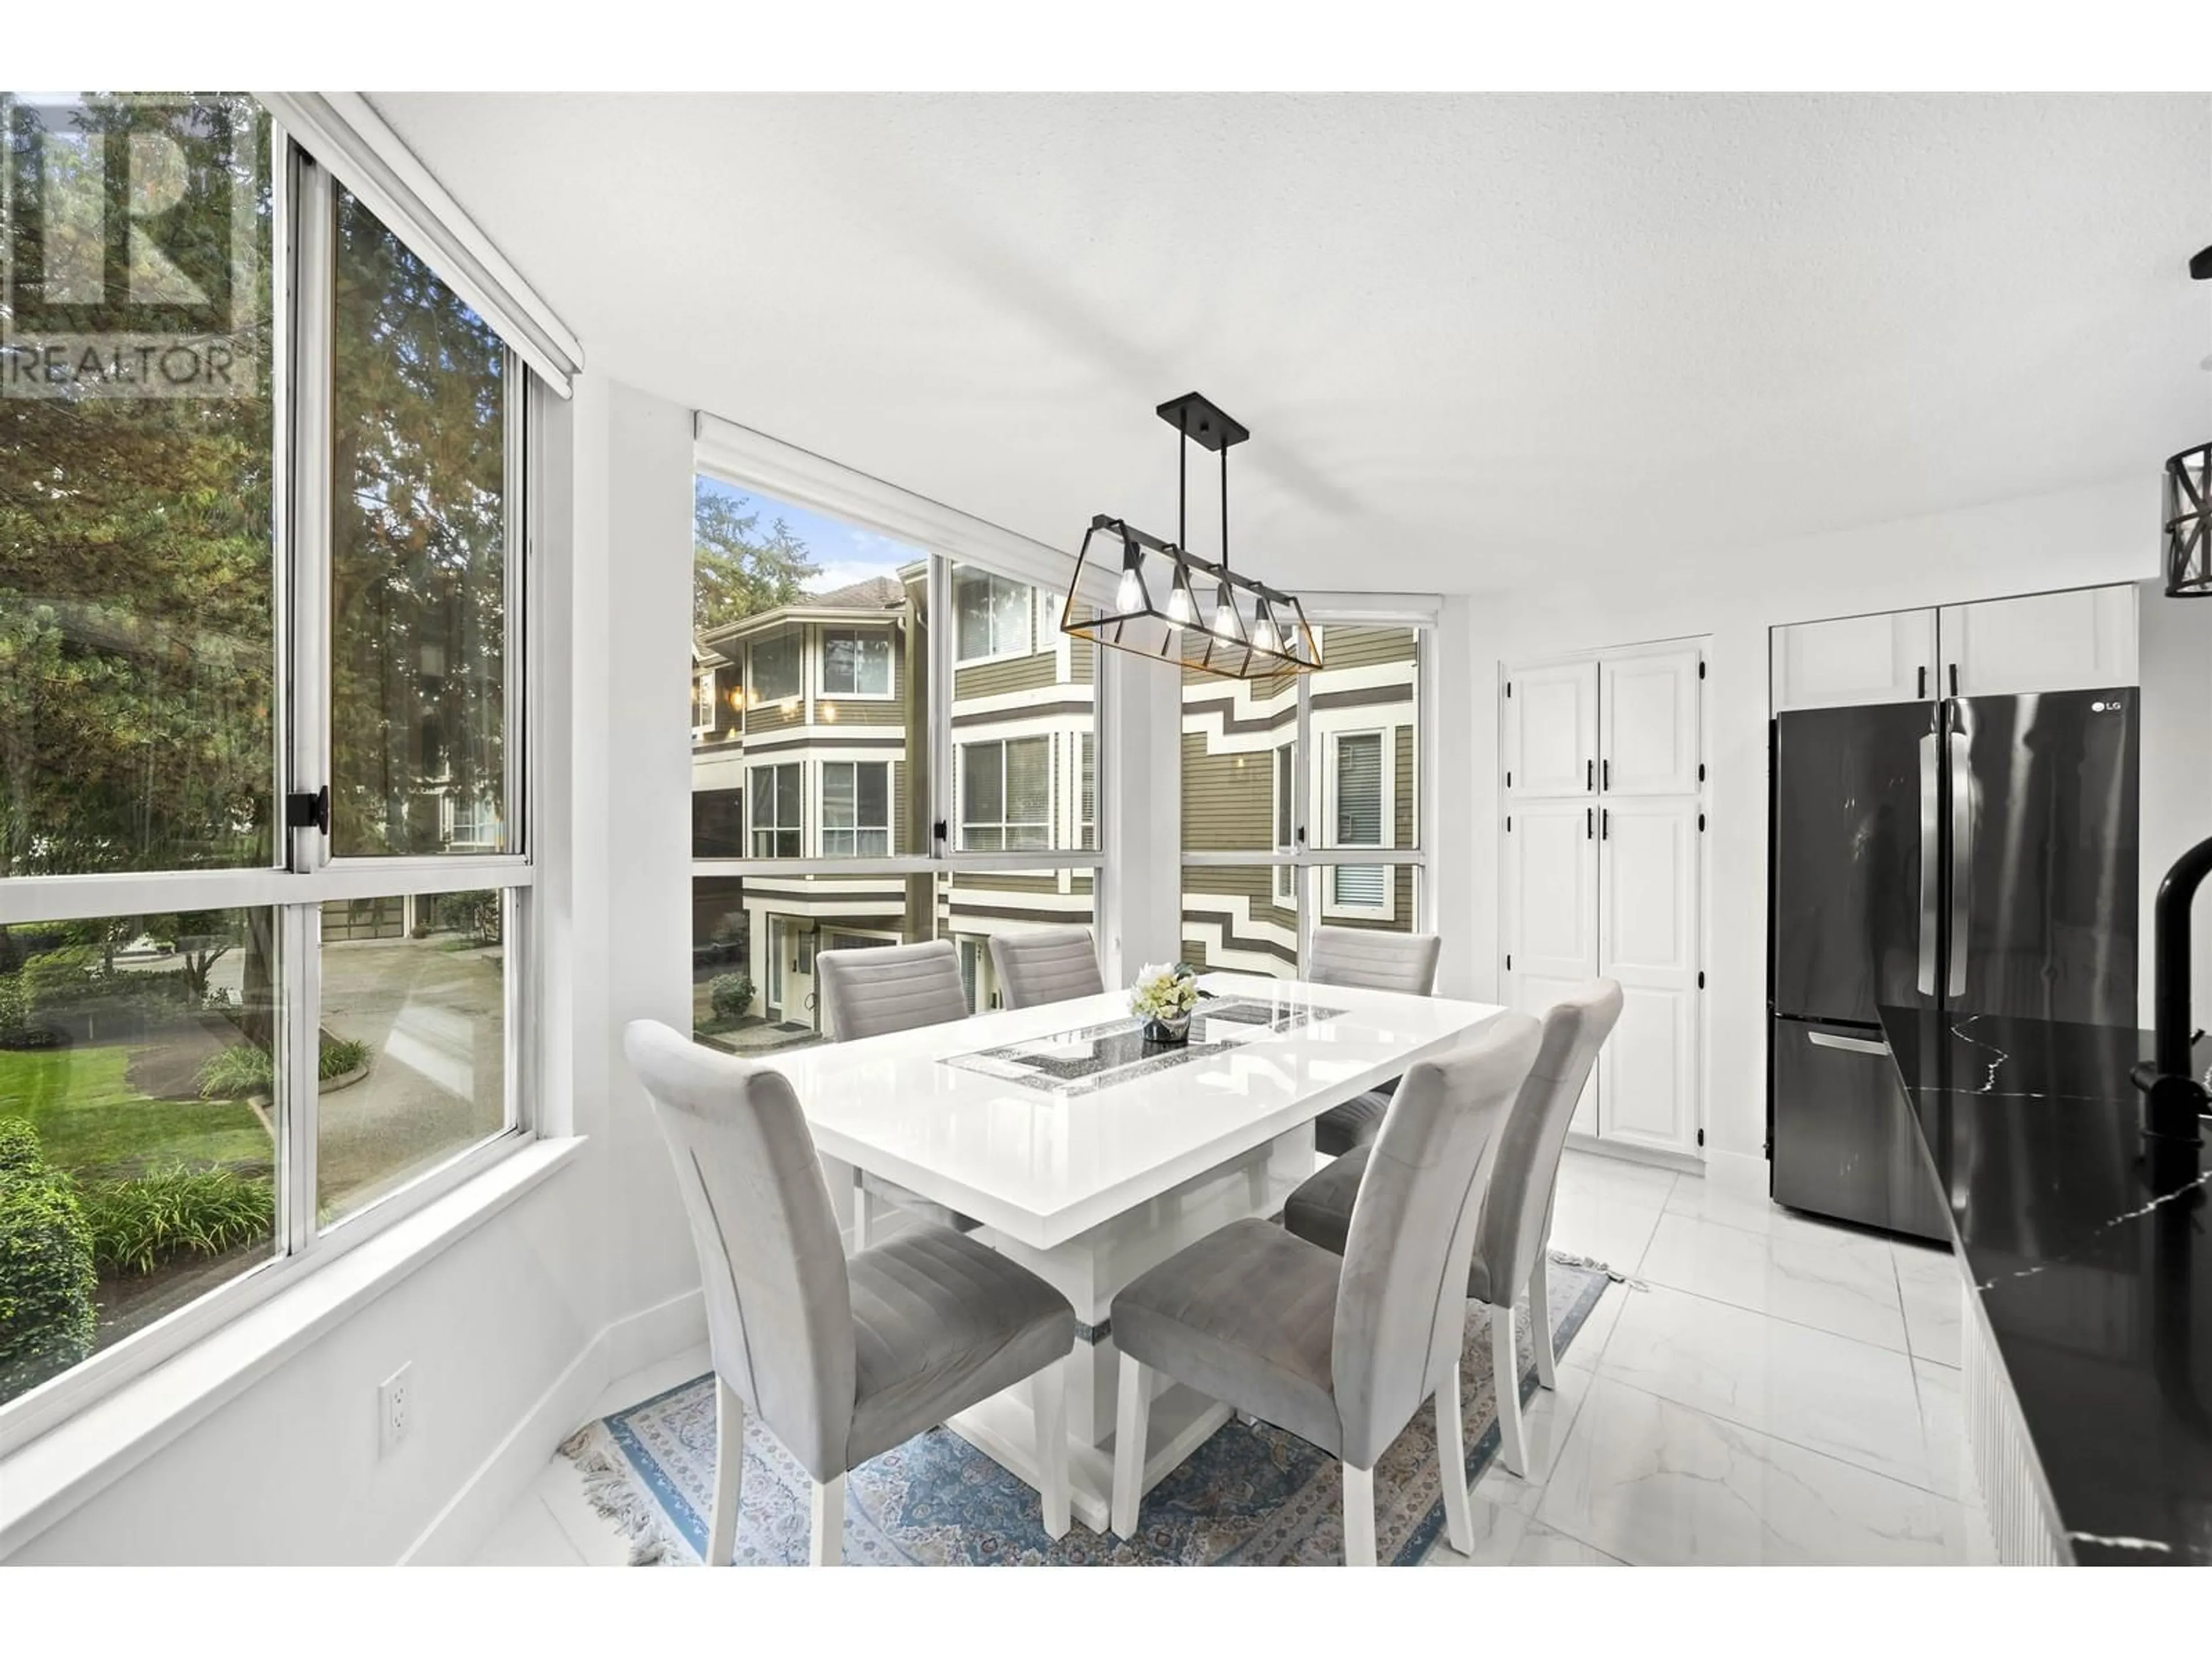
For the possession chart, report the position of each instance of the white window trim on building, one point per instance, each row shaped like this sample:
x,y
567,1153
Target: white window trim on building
x,y
857,829
822,636
999,652
1332,903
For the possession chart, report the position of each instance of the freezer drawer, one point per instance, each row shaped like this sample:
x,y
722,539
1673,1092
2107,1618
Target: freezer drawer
x,y
1844,1144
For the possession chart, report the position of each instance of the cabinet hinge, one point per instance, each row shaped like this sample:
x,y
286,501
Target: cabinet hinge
x,y
1701,1137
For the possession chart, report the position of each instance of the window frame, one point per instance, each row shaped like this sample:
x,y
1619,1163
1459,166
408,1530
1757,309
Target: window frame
x,y
303,875
1004,823
796,793
824,633
857,829
1332,772
998,653
1315,904
1283,809
756,698
705,708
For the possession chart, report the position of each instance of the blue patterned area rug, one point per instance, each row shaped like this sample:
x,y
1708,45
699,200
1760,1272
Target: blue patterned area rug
x,y
1251,1496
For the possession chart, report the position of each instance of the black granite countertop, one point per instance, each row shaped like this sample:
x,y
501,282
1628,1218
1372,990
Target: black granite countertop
x,y
2095,1277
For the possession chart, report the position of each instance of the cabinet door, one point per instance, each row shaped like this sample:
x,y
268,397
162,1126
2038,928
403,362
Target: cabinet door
x,y
2083,640
1648,723
1551,730
1890,657
1648,940
1551,912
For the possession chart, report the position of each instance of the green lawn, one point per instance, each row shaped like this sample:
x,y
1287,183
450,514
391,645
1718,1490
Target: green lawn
x,y
90,1120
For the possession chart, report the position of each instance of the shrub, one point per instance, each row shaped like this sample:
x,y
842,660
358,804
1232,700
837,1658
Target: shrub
x,y
486,918
47,1315
19,1150
15,1020
245,1068
58,983
420,930
137,1224
729,995
232,1074
339,1056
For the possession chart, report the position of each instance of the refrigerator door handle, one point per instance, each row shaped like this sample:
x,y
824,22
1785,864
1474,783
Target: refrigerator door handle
x,y
1851,1045
1962,836
1932,852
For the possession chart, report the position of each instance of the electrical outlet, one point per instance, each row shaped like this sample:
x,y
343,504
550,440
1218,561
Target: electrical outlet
x,y
394,1407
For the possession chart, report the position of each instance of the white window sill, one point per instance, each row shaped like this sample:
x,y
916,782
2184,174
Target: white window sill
x,y
43,1480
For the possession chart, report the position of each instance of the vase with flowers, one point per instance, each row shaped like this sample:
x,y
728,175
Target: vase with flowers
x,y
1163,997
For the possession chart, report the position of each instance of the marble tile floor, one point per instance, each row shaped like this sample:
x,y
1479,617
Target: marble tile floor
x,y
1769,1389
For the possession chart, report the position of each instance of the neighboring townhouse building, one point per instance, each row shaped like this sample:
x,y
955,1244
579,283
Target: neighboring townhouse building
x,y
811,739
1240,765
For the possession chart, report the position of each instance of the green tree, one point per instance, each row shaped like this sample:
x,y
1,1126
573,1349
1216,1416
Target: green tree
x,y
738,568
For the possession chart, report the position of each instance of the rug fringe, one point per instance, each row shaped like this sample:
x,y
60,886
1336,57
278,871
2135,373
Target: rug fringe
x,y
1591,1264
615,1495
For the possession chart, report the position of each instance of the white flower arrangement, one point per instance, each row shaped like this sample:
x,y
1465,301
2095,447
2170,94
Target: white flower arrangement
x,y
1167,991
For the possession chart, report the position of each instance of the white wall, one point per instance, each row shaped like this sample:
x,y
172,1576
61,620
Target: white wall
x,y
2074,538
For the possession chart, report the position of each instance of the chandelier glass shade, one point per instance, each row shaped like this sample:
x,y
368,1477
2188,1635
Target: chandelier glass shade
x,y
2189,524
1174,606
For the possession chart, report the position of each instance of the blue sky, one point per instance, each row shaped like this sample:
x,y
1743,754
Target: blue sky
x,y
845,552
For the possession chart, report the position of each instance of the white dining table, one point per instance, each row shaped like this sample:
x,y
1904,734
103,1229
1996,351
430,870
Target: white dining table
x,y
1088,1157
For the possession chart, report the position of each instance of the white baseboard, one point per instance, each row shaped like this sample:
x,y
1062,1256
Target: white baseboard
x,y
629,1344
1743,1172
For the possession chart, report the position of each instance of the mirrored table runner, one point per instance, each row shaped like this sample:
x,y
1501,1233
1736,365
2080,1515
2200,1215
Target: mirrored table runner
x,y
1089,1058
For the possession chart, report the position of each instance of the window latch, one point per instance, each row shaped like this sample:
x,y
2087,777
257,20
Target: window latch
x,y
938,829
304,812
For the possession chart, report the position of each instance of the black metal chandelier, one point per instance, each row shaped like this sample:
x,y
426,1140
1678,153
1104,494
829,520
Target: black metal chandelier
x,y
2189,502
1205,616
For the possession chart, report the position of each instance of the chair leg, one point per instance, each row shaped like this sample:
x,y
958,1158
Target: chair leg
x,y
829,1549
1540,1323
1505,1374
1359,1516
1049,1406
1451,1456
729,1473
1132,1423
860,1214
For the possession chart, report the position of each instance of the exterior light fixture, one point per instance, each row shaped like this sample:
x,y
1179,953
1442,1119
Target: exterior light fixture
x,y
1242,630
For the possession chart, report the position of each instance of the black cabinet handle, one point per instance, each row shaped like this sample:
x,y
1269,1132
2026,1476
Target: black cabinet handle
x,y
1955,679
1605,824
1605,772
1923,672
1589,824
1589,774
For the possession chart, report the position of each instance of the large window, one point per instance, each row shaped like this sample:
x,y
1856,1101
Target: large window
x,y
1299,798
856,809
777,814
910,656
1006,795
265,842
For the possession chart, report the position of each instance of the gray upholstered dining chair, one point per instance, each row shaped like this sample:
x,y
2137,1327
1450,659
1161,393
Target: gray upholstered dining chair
x,y
1340,1350
873,990
1045,964
1511,1247
841,1360
1371,960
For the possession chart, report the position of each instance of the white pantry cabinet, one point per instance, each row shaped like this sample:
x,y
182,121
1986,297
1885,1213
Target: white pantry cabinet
x,y
1601,870
1550,740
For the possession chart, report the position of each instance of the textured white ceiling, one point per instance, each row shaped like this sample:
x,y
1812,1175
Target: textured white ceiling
x,y
1482,341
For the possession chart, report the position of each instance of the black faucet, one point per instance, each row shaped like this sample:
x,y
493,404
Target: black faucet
x,y
2174,1100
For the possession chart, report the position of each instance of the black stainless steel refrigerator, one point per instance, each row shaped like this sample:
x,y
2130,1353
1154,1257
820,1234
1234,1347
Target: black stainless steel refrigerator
x,y
1970,855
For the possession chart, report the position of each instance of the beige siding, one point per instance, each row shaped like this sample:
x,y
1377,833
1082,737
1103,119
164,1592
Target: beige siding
x,y
995,679
1226,808
1080,651
858,711
1364,647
